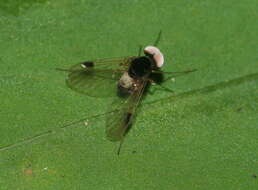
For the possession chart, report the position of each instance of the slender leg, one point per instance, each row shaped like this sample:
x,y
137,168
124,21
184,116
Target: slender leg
x,y
158,39
140,50
161,87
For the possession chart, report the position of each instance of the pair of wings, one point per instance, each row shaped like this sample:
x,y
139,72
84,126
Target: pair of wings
x,y
100,79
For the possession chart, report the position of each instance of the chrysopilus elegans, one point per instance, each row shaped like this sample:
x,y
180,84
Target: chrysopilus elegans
x,y
126,78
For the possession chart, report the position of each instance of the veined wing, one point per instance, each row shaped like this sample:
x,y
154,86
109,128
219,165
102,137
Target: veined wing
x,y
118,122
97,78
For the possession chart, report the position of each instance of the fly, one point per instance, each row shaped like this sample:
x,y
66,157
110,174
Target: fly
x,y
125,78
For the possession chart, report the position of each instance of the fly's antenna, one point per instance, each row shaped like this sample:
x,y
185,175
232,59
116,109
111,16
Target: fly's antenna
x,y
158,39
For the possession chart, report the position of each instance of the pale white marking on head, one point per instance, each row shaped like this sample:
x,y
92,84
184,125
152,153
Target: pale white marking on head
x,y
157,55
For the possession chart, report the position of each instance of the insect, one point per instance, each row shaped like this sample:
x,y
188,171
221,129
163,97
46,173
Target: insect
x,y
125,78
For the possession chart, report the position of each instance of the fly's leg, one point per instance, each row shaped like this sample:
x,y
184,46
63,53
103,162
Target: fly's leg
x,y
161,87
140,50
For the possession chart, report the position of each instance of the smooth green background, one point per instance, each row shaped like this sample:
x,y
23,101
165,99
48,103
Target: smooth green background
x,y
203,136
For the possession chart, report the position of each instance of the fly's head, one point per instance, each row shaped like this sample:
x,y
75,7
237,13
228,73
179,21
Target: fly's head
x,y
155,54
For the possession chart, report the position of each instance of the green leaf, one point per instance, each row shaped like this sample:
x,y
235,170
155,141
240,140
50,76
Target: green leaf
x,y
202,136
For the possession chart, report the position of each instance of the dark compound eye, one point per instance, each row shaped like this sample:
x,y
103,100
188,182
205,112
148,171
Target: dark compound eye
x,y
87,64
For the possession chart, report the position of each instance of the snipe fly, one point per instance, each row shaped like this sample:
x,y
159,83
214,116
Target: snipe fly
x,y
125,78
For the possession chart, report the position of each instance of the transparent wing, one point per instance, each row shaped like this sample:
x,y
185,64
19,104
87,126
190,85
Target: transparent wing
x,y
97,78
118,122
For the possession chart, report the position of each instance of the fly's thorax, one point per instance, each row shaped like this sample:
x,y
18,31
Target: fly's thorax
x,y
141,67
